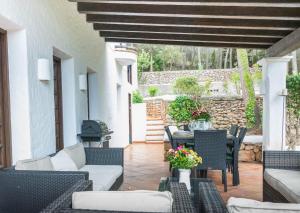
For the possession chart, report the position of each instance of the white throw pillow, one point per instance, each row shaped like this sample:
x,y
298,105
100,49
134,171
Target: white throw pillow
x,y
77,153
172,130
241,205
132,201
42,164
62,162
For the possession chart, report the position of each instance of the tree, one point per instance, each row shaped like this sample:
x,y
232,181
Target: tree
x,y
143,61
247,87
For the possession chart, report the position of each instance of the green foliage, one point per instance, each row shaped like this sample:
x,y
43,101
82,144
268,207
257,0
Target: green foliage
x,y
153,91
226,87
236,80
257,75
248,80
293,99
137,97
180,109
187,86
206,87
144,61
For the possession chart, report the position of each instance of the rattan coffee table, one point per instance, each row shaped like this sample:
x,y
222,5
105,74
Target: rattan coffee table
x,y
204,194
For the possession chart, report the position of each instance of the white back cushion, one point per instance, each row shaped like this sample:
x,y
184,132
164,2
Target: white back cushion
x,y
172,130
133,201
77,153
63,162
43,164
241,205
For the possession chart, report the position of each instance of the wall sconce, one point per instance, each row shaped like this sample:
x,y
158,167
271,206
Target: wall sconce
x,y
82,82
44,69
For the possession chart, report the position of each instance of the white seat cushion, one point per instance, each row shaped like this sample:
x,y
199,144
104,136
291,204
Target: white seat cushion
x,y
103,176
133,201
63,162
241,205
43,164
77,153
287,182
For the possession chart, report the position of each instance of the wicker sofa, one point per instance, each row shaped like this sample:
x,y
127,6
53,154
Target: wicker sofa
x,y
99,165
181,201
281,176
32,192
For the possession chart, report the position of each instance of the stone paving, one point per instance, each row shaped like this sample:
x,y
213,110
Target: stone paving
x,y
144,166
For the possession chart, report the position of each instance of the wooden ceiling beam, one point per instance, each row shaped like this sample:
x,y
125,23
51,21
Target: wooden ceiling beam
x,y
188,21
188,10
192,30
203,38
187,43
197,1
286,45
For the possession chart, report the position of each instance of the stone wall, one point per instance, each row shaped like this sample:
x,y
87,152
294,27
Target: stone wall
x,y
168,77
291,130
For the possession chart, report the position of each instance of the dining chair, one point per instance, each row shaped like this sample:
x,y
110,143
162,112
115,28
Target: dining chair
x,y
170,136
211,146
232,156
233,130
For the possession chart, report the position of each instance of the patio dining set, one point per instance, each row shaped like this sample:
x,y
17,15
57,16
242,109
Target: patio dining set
x,y
218,149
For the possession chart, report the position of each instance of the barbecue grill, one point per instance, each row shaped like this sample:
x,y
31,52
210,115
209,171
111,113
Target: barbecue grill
x,y
95,131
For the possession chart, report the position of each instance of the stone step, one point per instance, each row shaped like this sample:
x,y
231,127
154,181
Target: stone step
x,y
154,142
156,131
154,137
155,126
155,122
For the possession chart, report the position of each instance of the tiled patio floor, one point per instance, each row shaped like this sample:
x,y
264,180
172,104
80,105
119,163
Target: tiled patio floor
x,y
144,166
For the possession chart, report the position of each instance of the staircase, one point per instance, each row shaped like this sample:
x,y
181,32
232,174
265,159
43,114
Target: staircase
x,y
155,130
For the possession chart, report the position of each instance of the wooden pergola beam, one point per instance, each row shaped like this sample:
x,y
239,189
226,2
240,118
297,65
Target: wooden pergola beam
x,y
257,12
285,45
187,37
187,43
192,30
188,21
198,1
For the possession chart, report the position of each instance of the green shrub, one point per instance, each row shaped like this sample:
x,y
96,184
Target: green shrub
x,y
293,99
153,91
137,97
187,86
181,109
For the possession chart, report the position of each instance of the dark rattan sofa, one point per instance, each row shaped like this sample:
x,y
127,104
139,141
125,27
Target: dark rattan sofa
x,y
94,156
181,204
32,192
279,160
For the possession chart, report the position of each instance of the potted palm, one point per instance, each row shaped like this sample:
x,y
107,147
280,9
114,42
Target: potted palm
x,y
184,160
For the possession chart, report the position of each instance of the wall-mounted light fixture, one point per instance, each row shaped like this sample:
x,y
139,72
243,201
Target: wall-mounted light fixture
x,y
283,92
82,82
44,69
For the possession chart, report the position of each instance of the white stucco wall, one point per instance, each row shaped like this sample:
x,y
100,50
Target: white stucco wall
x,y
139,122
40,29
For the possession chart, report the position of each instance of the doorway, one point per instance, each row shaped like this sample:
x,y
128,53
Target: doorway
x,y
58,103
5,140
130,118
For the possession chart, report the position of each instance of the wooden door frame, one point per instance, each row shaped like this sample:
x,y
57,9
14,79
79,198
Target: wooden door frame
x,y
4,78
60,143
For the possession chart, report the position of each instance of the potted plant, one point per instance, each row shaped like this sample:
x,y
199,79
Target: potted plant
x,y
184,160
201,119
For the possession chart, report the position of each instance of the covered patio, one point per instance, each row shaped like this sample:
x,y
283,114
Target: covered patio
x,y
64,181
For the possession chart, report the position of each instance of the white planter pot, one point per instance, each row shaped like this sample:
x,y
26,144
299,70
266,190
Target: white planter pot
x,y
199,125
184,177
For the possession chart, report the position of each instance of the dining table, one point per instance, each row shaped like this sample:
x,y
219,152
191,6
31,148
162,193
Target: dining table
x,y
186,138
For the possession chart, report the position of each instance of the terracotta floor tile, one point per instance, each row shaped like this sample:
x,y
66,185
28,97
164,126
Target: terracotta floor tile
x,y
144,166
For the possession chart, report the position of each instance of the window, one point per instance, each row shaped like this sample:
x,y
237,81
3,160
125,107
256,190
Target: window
x,y
129,74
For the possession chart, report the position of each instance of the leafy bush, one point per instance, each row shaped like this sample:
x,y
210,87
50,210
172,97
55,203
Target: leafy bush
x,y
181,109
293,99
235,79
137,97
187,86
153,91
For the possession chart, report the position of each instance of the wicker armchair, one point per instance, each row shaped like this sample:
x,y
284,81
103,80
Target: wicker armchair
x,y
31,192
94,156
182,202
289,160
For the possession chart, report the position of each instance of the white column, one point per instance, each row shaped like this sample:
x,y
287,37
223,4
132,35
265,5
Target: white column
x,y
274,115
